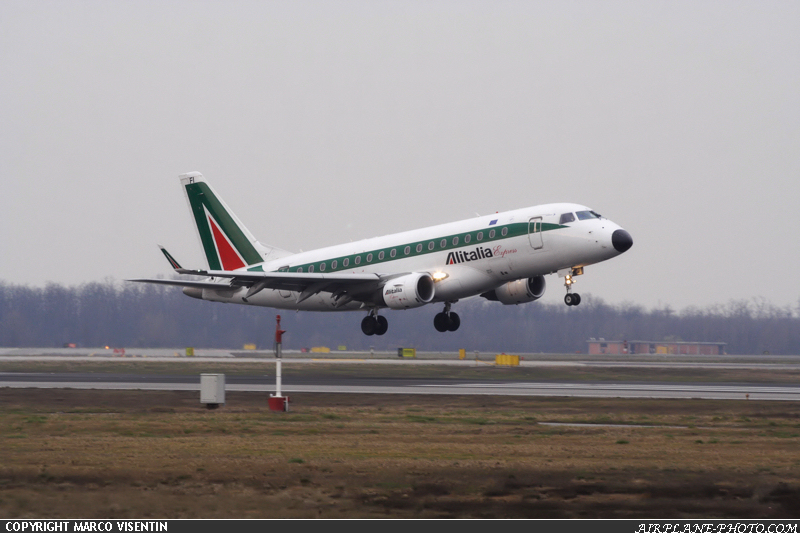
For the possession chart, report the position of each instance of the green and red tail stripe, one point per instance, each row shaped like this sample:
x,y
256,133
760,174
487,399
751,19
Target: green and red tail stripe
x,y
227,254
228,245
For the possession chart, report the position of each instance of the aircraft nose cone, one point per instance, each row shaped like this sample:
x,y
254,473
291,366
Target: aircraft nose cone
x,y
621,240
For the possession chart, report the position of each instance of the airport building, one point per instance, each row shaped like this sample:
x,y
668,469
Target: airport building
x,y
602,346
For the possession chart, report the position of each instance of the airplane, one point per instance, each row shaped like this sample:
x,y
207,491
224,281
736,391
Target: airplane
x,y
503,257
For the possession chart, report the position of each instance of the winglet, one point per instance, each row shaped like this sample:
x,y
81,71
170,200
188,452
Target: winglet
x,y
175,265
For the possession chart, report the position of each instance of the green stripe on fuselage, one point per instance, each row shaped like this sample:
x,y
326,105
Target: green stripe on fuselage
x,y
514,230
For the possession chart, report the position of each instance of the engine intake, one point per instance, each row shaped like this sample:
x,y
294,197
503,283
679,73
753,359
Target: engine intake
x,y
411,290
518,292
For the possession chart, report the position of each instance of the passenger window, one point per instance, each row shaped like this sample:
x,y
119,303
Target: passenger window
x,y
480,235
443,244
407,250
369,258
455,241
300,269
504,232
431,245
311,268
393,253
358,259
345,262
322,267
380,255
566,218
334,264
419,247
467,238
491,234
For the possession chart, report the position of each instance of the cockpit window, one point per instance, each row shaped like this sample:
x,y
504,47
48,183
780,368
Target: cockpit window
x,y
566,218
586,215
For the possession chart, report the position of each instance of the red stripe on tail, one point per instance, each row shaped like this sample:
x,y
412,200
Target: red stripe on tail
x,y
227,255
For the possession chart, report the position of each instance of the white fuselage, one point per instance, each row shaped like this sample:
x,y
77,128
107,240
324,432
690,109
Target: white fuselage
x,y
471,261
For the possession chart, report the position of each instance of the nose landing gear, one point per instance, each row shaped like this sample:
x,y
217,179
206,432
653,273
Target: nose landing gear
x,y
374,324
572,298
446,321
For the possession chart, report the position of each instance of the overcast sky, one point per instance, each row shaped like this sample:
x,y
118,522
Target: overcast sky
x,y
324,122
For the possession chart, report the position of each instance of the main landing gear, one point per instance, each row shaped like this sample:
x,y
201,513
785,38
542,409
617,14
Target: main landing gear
x,y
446,321
374,324
572,298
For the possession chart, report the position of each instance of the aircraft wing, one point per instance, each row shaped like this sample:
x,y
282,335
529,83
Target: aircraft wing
x,y
346,287
185,283
299,277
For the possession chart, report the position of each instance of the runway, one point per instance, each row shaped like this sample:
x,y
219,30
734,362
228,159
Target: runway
x,y
356,385
726,362
352,382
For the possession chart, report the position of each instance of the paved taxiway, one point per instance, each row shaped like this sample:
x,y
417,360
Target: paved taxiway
x,y
322,383
727,362
334,384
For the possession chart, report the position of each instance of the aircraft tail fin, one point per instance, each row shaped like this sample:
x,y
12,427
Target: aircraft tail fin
x,y
227,243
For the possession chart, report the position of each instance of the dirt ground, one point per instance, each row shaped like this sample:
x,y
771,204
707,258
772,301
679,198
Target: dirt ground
x,y
135,454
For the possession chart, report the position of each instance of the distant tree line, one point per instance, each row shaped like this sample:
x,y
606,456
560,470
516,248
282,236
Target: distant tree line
x,y
119,314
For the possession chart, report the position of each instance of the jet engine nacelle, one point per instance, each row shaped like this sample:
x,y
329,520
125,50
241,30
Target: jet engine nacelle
x,y
411,290
518,292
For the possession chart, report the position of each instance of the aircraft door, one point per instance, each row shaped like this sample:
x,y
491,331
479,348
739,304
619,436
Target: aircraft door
x,y
535,233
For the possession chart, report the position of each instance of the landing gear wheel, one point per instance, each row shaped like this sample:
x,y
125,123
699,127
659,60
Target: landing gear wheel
x,y
446,322
369,325
572,298
455,321
577,299
382,325
441,322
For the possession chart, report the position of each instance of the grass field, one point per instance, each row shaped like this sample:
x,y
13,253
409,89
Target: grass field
x,y
135,454
119,454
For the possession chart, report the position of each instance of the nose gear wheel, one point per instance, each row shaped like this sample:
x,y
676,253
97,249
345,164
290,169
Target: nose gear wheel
x,y
572,298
